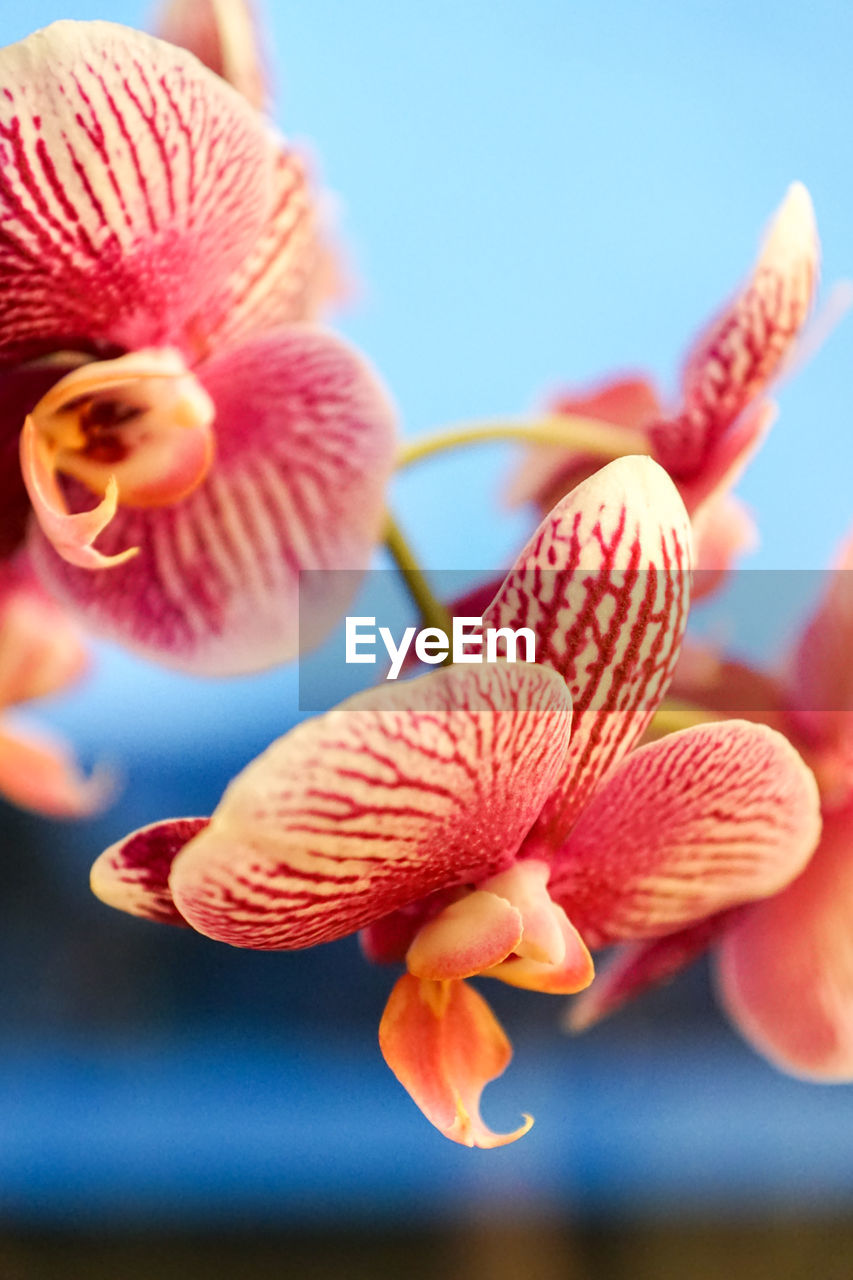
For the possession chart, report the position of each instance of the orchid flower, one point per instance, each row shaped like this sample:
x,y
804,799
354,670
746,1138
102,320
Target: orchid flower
x,y
188,443
490,821
784,966
722,418
40,653
225,35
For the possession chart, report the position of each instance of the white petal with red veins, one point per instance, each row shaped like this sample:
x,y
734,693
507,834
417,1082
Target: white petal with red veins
x,y
744,347
604,583
399,792
133,874
132,183
699,821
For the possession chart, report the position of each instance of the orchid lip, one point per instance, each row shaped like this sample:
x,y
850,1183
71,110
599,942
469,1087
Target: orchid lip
x,y
137,431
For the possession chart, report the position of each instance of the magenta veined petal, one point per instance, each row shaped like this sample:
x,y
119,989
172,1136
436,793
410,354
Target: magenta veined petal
x,y
287,276
699,821
399,792
133,874
223,35
742,349
304,447
132,183
604,583
785,971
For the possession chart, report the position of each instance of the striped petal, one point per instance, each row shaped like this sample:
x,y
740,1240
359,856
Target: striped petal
x,y
133,874
399,792
287,276
692,824
785,972
726,461
744,347
132,183
547,473
304,447
604,585
444,1045
223,35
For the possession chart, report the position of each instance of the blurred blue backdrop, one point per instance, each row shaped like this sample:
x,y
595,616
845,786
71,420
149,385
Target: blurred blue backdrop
x,y
533,195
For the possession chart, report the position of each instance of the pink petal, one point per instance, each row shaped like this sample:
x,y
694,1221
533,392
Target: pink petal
x,y
726,460
38,772
690,825
546,473
727,688
637,966
725,532
604,585
785,971
305,443
743,348
132,183
223,35
468,936
133,874
285,279
444,1045
40,650
402,790
821,674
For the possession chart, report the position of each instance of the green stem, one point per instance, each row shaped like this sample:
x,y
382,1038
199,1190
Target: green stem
x,y
432,611
582,435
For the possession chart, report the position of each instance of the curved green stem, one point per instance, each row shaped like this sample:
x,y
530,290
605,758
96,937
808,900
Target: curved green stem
x,y
432,611
566,431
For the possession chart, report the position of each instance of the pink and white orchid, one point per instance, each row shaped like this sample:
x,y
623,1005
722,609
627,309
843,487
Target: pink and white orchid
x,y
707,440
40,653
188,442
784,966
489,821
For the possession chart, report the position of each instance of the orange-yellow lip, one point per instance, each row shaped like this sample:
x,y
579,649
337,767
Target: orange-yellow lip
x,y
136,430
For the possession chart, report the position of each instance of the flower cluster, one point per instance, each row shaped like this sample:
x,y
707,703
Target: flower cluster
x,y
184,438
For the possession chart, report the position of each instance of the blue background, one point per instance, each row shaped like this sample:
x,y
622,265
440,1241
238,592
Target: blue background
x,y
533,195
